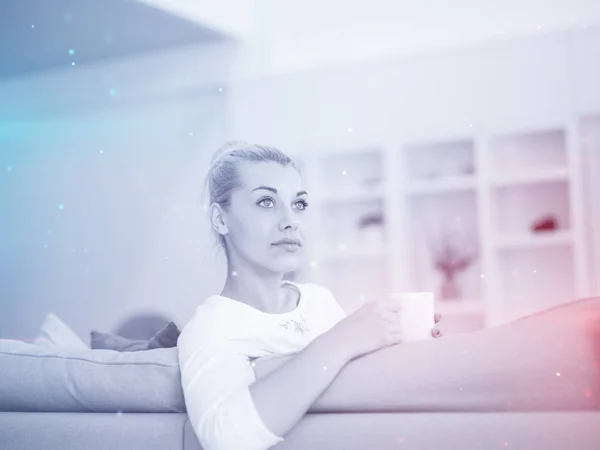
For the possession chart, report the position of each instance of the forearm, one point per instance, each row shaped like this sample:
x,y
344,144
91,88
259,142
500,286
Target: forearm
x,y
284,395
265,365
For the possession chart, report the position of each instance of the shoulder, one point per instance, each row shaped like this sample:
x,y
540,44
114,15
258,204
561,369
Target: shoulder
x,y
322,296
212,322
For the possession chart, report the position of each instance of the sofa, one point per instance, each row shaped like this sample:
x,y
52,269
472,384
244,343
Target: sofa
x,y
172,431
530,384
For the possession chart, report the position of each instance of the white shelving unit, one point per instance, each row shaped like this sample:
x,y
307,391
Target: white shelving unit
x,y
590,163
378,212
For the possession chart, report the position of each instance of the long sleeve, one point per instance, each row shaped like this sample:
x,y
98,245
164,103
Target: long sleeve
x,y
215,380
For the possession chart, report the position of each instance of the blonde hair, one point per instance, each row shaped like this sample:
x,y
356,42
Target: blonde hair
x,y
224,176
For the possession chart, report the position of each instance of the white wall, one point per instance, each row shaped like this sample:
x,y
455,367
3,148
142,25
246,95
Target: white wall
x,y
313,33
87,87
233,17
495,85
128,170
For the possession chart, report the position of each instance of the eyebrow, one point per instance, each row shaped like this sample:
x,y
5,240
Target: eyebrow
x,y
267,188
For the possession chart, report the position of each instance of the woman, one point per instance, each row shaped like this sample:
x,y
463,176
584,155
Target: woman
x,y
258,205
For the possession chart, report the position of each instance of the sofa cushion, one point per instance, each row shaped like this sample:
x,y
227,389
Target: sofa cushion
x,y
165,338
40,378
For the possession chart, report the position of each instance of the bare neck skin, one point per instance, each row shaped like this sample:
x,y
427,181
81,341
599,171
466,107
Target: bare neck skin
x,y
260,289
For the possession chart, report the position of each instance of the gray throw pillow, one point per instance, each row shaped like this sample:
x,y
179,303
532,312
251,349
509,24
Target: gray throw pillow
x,y
165,338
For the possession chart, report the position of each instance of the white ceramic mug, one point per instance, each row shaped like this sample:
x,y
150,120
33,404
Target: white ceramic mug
x,y
417,311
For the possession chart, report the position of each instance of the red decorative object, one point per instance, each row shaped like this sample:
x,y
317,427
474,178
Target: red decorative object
x,y
548,223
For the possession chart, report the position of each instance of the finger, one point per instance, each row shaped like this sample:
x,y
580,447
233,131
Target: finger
x,y
436,333
393,328
437,317
396,337
391,317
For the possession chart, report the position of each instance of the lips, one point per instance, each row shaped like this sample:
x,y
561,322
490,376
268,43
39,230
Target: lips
x,y
288,242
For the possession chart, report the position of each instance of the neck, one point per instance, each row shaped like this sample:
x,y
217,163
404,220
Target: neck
x,y
258,288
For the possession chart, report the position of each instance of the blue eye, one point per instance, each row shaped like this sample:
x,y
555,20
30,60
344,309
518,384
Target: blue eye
x,y
270,203
304,204
266,200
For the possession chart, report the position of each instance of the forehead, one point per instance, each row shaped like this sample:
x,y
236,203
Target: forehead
x,y
283,178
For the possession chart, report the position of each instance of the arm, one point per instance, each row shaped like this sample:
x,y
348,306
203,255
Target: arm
x,y
302,378
314,369
232,409
265,365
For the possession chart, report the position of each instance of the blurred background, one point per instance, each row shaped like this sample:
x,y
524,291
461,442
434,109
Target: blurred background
x,y
451,147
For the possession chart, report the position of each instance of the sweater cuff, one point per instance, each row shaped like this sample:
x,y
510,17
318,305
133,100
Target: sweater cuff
x,y
251,425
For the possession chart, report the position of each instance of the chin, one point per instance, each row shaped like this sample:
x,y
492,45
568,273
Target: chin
x,y
286,263
289,267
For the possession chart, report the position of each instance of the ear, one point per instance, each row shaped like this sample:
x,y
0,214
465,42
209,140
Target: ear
x,y
217,219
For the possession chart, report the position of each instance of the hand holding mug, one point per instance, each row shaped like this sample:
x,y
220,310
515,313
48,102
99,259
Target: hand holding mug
x,y
396,319
417,315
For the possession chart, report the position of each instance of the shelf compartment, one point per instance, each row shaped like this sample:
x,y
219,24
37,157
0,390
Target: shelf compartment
x,y
517,208
357,224
532,280
431,219
434,162
523,152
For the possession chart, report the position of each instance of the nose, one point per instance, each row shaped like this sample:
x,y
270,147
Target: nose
x,y
289,221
